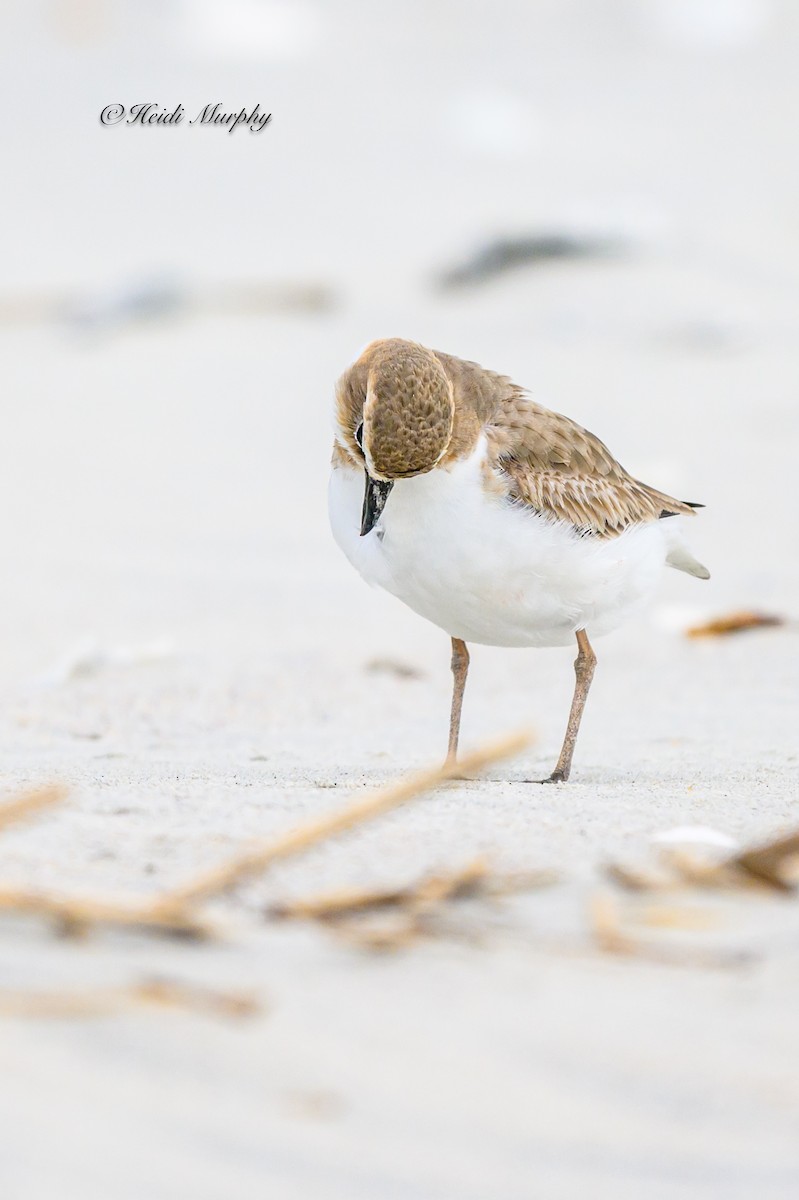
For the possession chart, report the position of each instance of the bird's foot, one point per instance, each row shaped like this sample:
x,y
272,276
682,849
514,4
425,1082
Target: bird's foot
x,y
555,777
450,765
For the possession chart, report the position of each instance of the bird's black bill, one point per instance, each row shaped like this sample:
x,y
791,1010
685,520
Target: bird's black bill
x,y
374,501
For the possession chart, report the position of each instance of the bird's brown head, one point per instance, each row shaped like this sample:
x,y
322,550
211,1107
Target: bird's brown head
x,y
395,411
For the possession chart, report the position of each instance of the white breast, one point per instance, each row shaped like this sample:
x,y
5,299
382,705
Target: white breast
x,y
487,571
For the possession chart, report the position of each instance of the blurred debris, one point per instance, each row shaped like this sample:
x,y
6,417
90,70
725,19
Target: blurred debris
x,y
124,304
414,911
74,916
89,658
175,912
678,916
774,865
255,860
465,881
612,936
475,879
129,304
331,905
444,904
737,622
605,920
695,835
689,869
392,666
635,879
30,804
507,253
102,1002
393,932
769,868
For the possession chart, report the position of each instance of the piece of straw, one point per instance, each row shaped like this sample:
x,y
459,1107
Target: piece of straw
x,y
737,622
460,882
343,902
310,833
474,879
605,922
418,899
30,804
74,914
633,879
765,863
101,1002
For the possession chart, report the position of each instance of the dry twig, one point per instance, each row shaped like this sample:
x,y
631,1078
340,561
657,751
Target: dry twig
x,y
694,870
465,881
678,916
329,906
737,622
760,866
767,863
606,923
310,833
31,803
474,879
415,910
396,932
75,914
635,879
392,666
99,1002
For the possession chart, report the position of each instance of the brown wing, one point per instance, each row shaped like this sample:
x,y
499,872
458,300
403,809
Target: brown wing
x,y
542,459
555,466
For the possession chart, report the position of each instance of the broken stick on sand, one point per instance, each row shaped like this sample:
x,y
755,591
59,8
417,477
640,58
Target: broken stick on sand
x,y
302,837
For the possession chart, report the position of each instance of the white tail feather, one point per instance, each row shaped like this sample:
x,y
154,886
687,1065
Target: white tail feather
x,y
679,558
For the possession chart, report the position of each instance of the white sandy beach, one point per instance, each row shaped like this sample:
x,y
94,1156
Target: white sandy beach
x,y
187,651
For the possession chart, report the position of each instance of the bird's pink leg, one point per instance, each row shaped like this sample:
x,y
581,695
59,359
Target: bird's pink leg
x,y
460,669
584,670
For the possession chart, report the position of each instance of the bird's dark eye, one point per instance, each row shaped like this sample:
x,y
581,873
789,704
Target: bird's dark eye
x,y
359,435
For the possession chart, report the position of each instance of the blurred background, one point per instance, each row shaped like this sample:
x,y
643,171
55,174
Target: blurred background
x,y
599,198
178,301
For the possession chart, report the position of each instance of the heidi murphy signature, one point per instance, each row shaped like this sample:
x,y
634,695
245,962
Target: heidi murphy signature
x,y
159,114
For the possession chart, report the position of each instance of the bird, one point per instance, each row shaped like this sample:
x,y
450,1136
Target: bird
x,y
498,520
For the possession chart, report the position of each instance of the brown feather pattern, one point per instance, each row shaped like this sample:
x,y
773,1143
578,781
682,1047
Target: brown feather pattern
x,y
538,458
